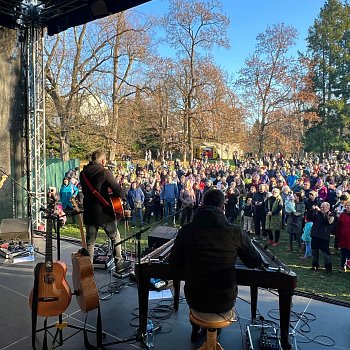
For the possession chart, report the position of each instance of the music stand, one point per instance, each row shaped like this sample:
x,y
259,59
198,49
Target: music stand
x,y
60,325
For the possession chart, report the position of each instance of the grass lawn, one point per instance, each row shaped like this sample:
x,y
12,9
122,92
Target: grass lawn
x,y
334,285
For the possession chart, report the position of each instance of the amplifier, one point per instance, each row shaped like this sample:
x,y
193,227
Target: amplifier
x,y
161,235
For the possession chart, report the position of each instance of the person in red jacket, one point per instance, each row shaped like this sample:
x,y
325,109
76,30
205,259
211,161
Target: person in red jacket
x,y
343,235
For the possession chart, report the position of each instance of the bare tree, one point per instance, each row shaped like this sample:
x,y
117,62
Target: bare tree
x,y
193,27
72,59
271,84
91,71
129,41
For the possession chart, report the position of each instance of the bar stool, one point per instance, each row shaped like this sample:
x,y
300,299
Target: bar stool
x,y
212,321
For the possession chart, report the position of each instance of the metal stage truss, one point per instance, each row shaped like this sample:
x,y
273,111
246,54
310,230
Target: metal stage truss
x,y
33,64
30,18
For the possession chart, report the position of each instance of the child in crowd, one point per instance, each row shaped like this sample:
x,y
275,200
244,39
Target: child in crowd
x,y
306,237
289,205
248,216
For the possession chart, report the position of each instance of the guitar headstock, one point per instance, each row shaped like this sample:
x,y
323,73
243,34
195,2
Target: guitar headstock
x,y
75,205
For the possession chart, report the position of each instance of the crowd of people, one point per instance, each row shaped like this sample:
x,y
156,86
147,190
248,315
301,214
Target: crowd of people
x,y
309,198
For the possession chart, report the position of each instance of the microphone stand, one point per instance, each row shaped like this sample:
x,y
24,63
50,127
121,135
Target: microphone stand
x,y
138,337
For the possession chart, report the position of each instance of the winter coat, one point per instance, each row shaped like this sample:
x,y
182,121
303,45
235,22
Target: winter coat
x,y
321,227
343,230
206,250
274,221
66,193
248,210
169,192
295,222
135,195
322,193
259,197
306,236
187,198
95,213
148,199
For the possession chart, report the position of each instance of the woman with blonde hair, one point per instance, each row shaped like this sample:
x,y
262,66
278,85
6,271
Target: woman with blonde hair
x,y
187,198
273,207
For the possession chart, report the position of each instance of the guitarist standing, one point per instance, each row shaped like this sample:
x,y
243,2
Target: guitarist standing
x,y
96,182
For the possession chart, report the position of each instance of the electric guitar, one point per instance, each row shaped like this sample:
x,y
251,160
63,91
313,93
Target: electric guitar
x,y
53,292
83,274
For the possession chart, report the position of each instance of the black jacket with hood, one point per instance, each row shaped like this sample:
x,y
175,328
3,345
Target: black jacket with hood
x,y
101,179
206,250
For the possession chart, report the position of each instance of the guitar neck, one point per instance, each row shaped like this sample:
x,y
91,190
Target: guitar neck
x,y
48,247
82,234
80,221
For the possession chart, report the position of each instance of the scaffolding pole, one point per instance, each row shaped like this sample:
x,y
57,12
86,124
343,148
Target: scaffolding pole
x,y
35,121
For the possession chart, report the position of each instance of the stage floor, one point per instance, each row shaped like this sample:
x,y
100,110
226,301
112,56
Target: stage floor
x,y
317,325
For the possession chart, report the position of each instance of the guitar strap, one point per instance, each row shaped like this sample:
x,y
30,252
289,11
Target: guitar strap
x,y
95,192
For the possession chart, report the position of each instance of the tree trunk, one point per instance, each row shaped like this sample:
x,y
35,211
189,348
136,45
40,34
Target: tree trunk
x,y
189,138
65,145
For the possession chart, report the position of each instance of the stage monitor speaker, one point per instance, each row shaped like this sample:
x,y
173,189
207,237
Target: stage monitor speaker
x,y
19,228
161,235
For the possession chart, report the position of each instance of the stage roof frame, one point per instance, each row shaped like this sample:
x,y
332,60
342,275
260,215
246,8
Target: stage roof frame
x,y
59,15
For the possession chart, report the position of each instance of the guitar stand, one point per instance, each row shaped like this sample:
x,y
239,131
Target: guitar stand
x,y
58,336
60,325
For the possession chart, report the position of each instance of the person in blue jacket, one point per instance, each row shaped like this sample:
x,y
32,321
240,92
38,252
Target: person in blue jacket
x,y
67,191
168,197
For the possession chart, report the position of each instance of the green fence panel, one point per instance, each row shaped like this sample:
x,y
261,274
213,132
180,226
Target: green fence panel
x,y
55,170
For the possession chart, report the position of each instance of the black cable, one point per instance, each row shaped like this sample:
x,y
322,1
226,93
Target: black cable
x,y
305,319
111,288
161,312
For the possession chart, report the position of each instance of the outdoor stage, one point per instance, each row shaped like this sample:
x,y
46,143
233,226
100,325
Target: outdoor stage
x,y
119,320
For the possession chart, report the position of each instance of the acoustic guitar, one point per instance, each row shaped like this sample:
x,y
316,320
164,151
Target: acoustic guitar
x,y
84,283
117,206
54,293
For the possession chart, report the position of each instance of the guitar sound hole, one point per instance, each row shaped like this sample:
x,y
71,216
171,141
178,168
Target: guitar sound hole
x,y
49,279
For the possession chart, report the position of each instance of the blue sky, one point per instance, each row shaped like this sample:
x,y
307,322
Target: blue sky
x,y
248,19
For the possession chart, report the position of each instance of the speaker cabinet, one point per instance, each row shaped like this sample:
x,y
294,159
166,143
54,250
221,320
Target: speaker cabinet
x,y
20,228
161,235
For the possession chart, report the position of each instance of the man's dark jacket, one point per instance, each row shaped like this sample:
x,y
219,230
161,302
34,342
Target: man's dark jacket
x,y
101,179
321,227
207,249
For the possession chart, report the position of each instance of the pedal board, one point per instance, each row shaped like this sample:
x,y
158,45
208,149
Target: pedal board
x,y
262,337
122,274
14,249
102,261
